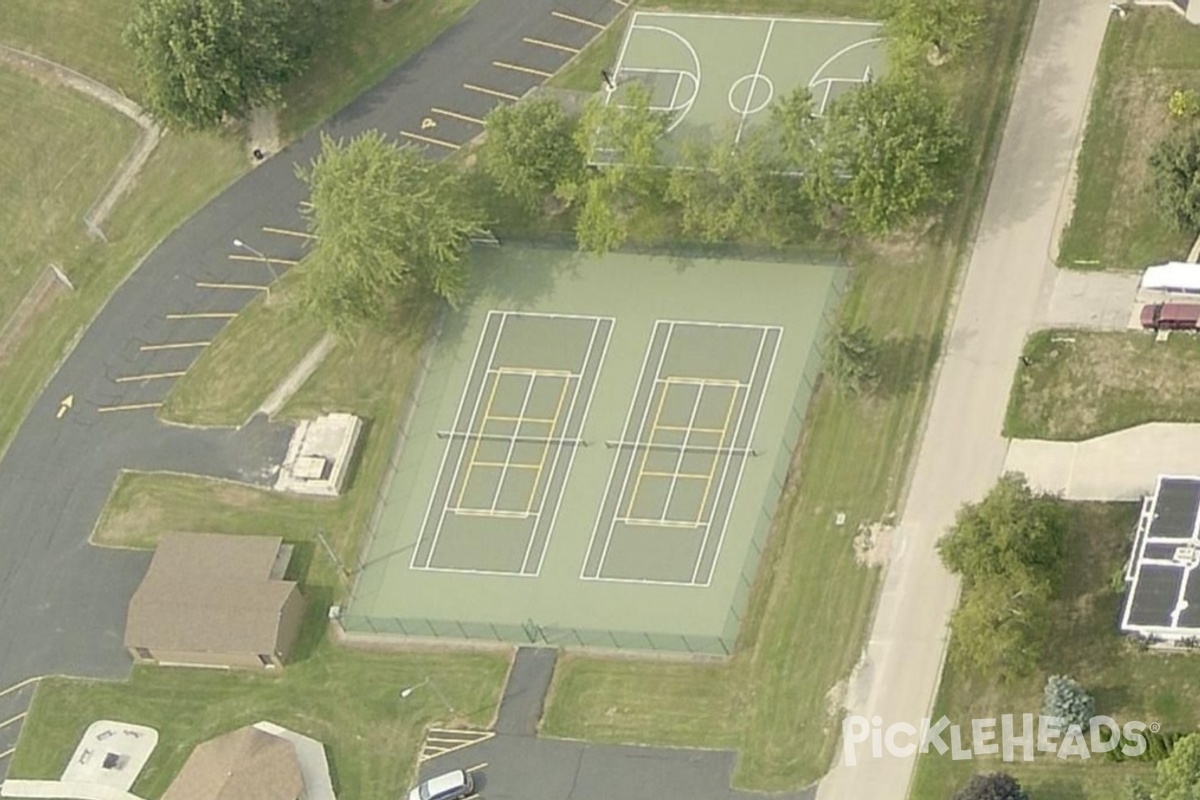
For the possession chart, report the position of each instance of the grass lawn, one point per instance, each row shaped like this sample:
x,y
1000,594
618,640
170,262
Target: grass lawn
x,y
1083,643
1153,52
347,699
59,152
235,374
1090,383
776,698
186,170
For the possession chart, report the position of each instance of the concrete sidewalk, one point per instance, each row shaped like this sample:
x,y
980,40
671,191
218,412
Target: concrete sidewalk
x,y
962,452
1118,466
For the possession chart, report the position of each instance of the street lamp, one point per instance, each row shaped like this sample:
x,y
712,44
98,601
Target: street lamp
x,y
265,259
407,692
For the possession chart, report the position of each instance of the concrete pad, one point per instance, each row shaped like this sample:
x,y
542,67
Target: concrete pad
x,y
1099,301
1119,466
63,790
111,754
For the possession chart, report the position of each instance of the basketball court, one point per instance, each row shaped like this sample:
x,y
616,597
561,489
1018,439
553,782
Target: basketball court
x,y
594,454
717,75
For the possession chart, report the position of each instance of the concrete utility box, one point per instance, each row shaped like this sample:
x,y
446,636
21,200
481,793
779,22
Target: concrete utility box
x,y
319,455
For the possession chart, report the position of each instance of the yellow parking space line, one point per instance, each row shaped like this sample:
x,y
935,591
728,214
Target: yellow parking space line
x,y
622,3
254,287
541,73
11,720
16,687
502,95
455,115
288,232
430,140
150,376
552,45
476,768
204,315
7,753
150,348
579,20
128,407
259,260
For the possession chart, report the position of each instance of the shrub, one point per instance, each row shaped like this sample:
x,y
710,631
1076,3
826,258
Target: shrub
x,y
1066,698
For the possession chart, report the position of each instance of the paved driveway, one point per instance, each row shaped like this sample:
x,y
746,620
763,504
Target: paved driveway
x,y
62,602
1119,466
1099,301
962,452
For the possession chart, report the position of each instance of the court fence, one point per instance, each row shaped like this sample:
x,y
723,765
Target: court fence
x,y
724,644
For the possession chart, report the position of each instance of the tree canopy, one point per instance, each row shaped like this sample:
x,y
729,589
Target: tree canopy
x,y
1008,550
532,150
1178,775
1175,165
852,360
385,219
205,60
994,786
887,151
937,29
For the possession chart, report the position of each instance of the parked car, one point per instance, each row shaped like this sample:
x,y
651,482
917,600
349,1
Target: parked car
x,y
1171,316
448,786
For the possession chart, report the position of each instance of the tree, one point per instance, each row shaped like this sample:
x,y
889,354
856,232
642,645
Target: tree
x,y
1178,775
1013,535
735,192
531,150
1066,698
1175,164
794,121
999,630
995,786
936,29
385,219
205,60
623,141
888,151
1184,103
852,360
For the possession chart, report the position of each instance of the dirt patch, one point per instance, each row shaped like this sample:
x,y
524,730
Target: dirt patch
x,y
873,544
39,298
263,134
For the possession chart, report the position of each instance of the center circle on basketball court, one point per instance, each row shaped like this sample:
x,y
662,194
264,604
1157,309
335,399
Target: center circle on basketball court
x,y
751,93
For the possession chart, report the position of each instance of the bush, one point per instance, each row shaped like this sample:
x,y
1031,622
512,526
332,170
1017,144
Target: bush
x,y
1175,164
1065,697
996,786
1184,103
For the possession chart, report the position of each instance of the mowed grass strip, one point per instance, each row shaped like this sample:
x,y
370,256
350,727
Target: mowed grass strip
x,y
1115,225
810,610
254,353
1082,642
1082,384
59,151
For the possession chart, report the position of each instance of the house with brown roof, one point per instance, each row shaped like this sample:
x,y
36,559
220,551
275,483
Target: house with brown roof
x,y
246,764
216,600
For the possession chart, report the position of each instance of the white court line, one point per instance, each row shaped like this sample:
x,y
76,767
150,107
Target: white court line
x,y
762,56
701,381
675,93
816,78
441,473
705,324
492,513
825,99
642,522
691,101
512,445
558,451
754,18
613,471
641,429
683,449
737,486
464,571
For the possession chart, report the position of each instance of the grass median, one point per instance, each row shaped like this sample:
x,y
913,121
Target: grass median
x,y
812,602
1115,224
1081,384
1128,684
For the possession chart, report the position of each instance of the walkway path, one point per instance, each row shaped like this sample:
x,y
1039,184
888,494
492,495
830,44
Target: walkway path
x,y
1118,466
962,452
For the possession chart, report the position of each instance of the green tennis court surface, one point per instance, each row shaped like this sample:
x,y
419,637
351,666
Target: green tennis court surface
x,y
596,452
716,75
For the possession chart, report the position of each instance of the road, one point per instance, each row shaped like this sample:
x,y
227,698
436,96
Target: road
x,y
62,602
962,451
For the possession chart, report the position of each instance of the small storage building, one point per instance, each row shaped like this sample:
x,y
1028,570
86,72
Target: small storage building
x,y
216,600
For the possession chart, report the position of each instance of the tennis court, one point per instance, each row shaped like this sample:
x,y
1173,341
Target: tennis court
x,y
595,453
718,74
